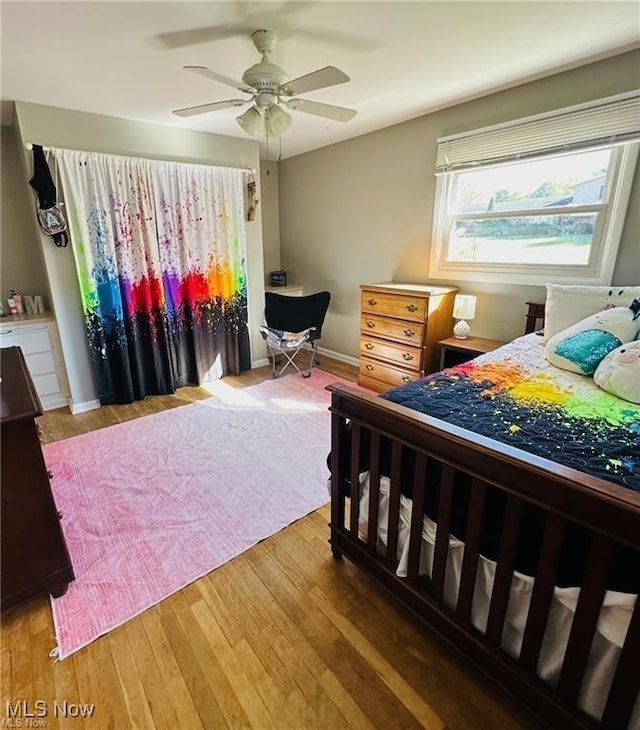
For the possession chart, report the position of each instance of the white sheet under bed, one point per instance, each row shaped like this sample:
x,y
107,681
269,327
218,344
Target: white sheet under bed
x,y
612,625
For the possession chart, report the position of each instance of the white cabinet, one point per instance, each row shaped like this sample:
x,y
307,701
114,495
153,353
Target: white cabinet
x,y
38,340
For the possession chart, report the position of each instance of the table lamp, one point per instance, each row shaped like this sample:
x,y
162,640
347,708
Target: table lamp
x,y
464,307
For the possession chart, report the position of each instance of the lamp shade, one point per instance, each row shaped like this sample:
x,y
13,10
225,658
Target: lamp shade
x,y
250,121
464,306
276,120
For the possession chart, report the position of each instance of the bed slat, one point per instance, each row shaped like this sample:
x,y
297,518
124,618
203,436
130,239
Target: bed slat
x,y
504,569
417,515
338,430
443,530
626,680
542,592
374,491
354,506
394,504
585,618
471,550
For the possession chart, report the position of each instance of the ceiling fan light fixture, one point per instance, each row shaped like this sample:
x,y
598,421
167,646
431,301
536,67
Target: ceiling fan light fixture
x,y
250,121
277,121
269,89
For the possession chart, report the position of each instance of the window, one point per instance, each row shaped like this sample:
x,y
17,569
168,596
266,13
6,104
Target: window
x,y
517,204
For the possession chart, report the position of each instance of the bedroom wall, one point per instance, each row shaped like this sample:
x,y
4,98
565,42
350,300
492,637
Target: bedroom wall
x,y
361,211
270,217
21,264
55,127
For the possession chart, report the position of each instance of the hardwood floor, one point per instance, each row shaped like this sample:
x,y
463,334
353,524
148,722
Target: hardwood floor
x,y
283,636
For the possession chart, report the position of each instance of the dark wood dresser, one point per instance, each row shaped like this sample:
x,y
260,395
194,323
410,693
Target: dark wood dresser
x,y
400,326
34,558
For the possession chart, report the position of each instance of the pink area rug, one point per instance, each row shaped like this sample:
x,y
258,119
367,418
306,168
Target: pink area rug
x,y
150,505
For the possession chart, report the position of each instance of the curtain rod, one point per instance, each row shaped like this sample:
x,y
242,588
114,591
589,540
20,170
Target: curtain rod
x,y
29,146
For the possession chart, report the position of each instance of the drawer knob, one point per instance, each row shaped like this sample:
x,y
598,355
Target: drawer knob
x,y
405,378
407,356
369,345
370,324
409,333
412,308
368,367
372,302
49,473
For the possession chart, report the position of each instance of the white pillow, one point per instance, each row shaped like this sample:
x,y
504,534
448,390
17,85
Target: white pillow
x,y
569,303
619,372
581,347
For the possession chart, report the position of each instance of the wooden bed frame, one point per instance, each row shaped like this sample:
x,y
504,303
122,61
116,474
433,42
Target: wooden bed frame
x,y
610,514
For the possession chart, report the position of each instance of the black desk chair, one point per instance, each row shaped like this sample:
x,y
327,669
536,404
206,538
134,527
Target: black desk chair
x,y
292,325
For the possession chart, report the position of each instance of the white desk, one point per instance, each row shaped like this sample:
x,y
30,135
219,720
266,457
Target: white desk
x,y
291,290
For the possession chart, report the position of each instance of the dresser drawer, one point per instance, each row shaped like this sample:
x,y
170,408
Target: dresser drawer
x,y
394,305
40,363
30,339
402,355
46,384
391,329
386,376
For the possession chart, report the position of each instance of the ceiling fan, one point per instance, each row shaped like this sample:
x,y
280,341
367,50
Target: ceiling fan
x,y
270,90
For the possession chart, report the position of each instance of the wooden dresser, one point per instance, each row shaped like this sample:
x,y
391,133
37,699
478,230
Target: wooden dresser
x,y
34,558
400,327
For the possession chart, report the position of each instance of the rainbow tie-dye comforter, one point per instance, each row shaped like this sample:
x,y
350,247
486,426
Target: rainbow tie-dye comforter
x,y
514,395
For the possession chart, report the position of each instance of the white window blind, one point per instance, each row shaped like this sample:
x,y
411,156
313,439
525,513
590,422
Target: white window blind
x,y
615,119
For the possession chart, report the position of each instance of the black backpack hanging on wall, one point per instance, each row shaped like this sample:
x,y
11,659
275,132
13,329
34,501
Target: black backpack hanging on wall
x,y
50,216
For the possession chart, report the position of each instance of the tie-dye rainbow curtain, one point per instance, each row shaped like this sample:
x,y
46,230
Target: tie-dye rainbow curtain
x,y
160,251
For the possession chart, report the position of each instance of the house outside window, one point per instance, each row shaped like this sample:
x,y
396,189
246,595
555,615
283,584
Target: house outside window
x,y
541,209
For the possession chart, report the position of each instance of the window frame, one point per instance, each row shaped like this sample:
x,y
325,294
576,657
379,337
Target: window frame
x,y
606,237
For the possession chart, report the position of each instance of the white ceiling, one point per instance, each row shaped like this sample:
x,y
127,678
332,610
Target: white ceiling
x,y
404,58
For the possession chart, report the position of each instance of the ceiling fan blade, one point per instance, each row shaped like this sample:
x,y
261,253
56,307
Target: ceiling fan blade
x,y
336,37
190,111
195,36
320,79
250,16
209,74
329,111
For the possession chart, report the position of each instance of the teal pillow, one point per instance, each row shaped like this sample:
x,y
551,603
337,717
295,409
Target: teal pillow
x,y
587,349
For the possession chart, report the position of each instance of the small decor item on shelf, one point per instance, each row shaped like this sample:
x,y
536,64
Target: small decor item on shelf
x,y
15,302
464,307
278,278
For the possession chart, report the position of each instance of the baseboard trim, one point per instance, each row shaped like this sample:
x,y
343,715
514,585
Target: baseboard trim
x,y
321,351
339,356
87,405
51,402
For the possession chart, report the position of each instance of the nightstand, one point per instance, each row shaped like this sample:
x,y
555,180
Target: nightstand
x,y
454,351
